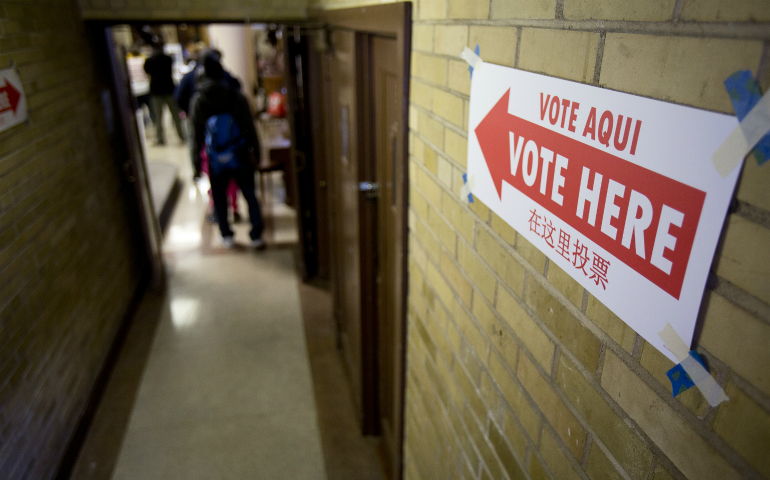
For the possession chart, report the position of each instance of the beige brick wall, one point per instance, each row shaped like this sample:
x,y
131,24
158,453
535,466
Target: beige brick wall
x,y
68,266
514,371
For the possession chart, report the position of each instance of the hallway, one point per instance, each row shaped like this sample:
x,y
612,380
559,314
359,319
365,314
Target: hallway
x,y
214,379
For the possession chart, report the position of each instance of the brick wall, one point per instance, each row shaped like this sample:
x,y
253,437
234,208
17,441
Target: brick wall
x,y
190,10
68,265
514,370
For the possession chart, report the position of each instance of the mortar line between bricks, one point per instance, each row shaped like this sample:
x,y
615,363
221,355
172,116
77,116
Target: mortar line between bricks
x,y
439,207
550,379
419,397
518,47
733,377
459,130
443,88
698,426
492,349
599,58
459,268
419,404
726,30
739,297
577,466
621,353
467,405
752,213
676,15
584,459
764,62
439,152
445,415
47,130
543,423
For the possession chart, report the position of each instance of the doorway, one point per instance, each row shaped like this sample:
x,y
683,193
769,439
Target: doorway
x,y
348,90
364,73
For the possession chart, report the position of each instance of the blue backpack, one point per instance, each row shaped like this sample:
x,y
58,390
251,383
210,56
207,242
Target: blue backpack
x,y
224,143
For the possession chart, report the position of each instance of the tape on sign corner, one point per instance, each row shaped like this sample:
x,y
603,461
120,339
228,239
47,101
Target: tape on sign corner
x,y
753,111
690,364
680,381
472,58
469,185
674,342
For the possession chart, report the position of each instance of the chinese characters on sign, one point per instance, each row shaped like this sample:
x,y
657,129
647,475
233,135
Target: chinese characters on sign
x,y
617,190
579,257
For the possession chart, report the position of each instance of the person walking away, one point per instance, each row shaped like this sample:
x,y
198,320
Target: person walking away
x,y
159,67
222,123
183,94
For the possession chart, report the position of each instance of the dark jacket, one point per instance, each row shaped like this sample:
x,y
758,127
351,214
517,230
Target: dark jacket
x,y
186,88
158,67
213,98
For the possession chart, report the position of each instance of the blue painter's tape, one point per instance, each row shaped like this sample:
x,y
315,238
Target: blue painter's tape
x,y
465,175
470,69
680,381
745,93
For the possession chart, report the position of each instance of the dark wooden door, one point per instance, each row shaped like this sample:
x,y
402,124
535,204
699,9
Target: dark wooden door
x,y
343,165
135,165
388,133
368,65
310,211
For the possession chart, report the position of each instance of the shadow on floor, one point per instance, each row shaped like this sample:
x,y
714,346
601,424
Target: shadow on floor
x,y
347,454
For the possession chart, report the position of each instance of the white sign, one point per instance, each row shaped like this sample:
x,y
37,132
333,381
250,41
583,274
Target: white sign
x,y
618,190
13,102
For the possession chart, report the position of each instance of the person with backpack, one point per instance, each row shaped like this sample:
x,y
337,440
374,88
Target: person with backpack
x,y
183,94
222,123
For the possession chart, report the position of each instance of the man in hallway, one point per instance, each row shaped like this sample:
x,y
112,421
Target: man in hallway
x,y
222,123
158,66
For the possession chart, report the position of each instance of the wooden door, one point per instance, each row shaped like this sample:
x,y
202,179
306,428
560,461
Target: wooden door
x,y
310,211
367,68
135,166
389,142
342,163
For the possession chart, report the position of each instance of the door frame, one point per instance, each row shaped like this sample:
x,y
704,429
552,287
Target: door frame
x,y
389,20
135,165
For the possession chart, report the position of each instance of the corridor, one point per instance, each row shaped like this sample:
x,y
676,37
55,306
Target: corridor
x,y
214,379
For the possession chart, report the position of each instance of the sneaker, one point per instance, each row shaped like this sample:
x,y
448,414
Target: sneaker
x,y
228,242
259,244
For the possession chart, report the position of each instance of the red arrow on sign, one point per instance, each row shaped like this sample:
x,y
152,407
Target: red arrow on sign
x,y
9,97
492,133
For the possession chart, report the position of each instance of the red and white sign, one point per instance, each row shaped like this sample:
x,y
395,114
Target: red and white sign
x,y
618,190
13,103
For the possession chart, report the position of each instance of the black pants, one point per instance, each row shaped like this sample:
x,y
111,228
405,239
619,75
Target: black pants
x,y
244,177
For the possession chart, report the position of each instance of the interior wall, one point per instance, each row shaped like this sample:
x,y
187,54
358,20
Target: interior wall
x,y
237,47
514,370
69,264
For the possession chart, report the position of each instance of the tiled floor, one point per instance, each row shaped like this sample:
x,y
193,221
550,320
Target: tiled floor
x,y
214,380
